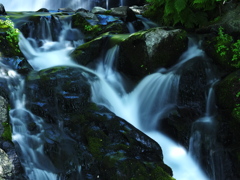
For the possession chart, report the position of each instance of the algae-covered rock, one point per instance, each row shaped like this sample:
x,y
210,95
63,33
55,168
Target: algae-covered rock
x,y
145,52
10,167
80,134
228,134
88,52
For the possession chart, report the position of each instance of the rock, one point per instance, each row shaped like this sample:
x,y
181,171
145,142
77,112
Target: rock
x,y
10,166
88,52
98,10
145,52
2,10
6,166
43,10
138,9
89,137
65,10
227,135
82,10
124,12
229,21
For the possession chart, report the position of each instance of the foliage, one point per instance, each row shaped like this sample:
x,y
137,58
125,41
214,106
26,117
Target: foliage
x,y
225,46
189,13
9,37
7,133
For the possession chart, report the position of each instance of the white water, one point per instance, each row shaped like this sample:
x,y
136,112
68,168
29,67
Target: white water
x,y
34,5
155,95
37,166
150,100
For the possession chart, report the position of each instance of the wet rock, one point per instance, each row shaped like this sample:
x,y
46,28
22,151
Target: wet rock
x,y
6,166
88,52
65,10
229,21
124,12
145,52
98,10
228,100
90,142
43,10
2,10
10,166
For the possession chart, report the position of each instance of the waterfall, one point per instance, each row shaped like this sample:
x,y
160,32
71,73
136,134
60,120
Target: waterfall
x,y
143,107
151,99
37,166
29,5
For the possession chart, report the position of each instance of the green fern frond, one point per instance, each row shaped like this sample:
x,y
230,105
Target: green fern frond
x,y
169,8
180,5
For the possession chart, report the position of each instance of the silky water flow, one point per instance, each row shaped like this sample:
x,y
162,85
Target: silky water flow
x,y
148,102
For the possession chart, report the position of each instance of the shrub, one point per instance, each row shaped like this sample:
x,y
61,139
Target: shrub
x,y
189,13
9,38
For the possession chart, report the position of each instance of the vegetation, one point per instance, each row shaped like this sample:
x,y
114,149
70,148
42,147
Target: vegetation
x,y
228,48
189,13
7,133
9,38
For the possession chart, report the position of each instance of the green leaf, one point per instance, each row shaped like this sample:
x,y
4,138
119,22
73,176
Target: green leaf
x,y
169,8
180,5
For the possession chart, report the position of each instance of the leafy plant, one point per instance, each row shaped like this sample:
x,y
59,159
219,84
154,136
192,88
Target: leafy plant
x,y
226,46
10,39
188,13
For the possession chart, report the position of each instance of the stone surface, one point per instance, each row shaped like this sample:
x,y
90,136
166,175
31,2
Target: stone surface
x,y
145,52
89,136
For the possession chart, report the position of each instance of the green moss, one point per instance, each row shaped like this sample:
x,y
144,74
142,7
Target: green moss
x,y
108,12
9,38
236,114
159,174
95,145
7,134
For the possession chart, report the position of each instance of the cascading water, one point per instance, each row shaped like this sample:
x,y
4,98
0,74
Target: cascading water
x,y
143,107
36,163
29,5
153,97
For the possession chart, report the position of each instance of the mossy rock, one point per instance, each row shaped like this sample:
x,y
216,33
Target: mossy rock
x,y
145,52
228,121
227,91
89,135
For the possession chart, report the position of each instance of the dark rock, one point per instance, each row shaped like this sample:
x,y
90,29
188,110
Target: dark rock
x,y
89,136
98,10
229,21
227,135
124,12
82,10
10,166
43,10
145,52
2,10
65,10
88,52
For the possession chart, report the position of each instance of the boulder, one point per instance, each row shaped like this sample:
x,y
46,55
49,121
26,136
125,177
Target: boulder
x,y
228,136
229,21
98,10
90,137
10,166
65,10
2,10
43,10
145,52
124,12
6,166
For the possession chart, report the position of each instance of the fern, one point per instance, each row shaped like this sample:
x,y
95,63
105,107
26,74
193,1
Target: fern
x,y
169,8
180,5
188,13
